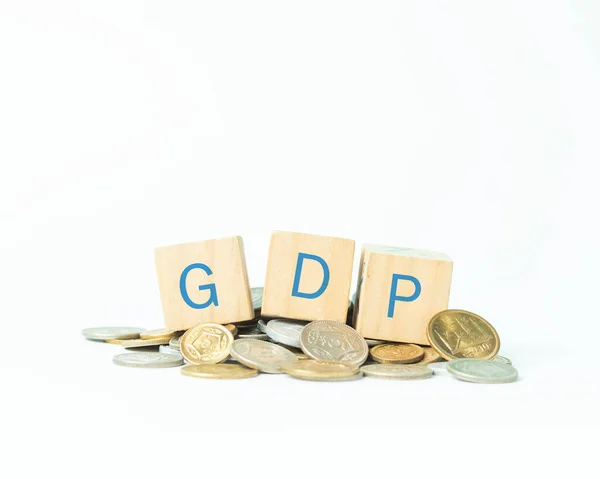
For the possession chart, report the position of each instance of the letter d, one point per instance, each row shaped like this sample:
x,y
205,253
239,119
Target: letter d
x,y
322,288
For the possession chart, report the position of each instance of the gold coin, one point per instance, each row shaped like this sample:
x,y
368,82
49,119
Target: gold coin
x,y
395,353
455,334
114,341
206,344
218,371
431,356
231,328
315,369
140,343
157,334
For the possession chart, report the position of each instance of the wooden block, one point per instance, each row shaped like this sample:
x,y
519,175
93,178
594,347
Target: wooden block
x,y
399,291
308,277
204,282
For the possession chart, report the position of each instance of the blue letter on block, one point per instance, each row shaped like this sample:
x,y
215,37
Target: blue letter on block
x,y
394,298
318,292
211,287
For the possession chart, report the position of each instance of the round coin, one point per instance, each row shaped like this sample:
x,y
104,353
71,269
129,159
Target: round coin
x,y
285,331
112,333
502,360
231,328
218,371
397,371
257,296
395,353
430,356
456,333
148,360
313,369
261,355
141,343
482,371
253,333
206,344
157,334
262,325
333,341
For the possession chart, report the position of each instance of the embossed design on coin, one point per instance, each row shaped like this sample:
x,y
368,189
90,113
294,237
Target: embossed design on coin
x,y
397,353
285,331
218,371
455,333
431,356
206,343
482,371
112,332
333,341
397,371
319,370
148,360
261,355
257,296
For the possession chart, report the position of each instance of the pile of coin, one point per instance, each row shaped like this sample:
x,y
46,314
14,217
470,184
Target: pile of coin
x,y
463,343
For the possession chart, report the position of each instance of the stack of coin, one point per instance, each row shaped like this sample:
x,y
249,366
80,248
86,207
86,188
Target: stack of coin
x,y
317,350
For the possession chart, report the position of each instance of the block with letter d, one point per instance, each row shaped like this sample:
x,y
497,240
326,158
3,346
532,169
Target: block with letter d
x,y
308,277
398,292
203,282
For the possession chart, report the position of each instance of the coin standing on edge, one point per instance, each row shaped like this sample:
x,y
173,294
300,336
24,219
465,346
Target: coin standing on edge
x,y
285,331
397,371
207,343
261,355
112,332
395,353
218,371
333,341
148,360
455,334
482,371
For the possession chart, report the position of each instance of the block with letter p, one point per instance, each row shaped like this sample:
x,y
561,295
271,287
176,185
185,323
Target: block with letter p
x,y
399,290
203,282
308,277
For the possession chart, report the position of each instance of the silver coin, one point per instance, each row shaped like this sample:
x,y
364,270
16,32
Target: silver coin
x,y
262,325
261,355
148,360
502,360
168,350
253,333
174,342
285,331
358,375
333,341
397,371
111,332
482,371
257,296
374,342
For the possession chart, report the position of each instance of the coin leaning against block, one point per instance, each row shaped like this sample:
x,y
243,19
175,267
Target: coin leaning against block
x,y
333,341
148,360
285,331
397,371
261,355
319,370
482,371
456,333
207,343
218,371
112,332
395,353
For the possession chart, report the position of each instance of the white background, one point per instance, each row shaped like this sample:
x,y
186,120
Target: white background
x,y
465,127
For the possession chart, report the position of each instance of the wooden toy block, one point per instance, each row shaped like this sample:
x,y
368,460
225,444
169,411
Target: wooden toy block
x,y
204,282
399,290
308,277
